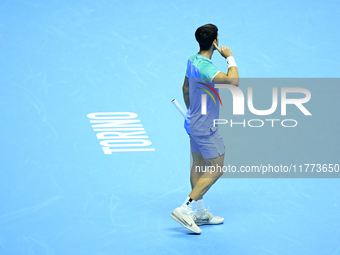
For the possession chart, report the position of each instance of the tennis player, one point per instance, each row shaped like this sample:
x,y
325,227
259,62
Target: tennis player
x,y
206,144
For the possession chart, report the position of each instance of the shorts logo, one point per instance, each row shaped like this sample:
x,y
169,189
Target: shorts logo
x,y
213,90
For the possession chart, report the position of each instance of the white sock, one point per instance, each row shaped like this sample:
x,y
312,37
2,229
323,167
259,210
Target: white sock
x,y
199,207
188,204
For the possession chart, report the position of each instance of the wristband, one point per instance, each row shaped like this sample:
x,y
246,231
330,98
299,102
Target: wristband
x,y
231,62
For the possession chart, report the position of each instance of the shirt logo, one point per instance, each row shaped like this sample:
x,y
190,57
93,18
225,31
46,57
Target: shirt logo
x,y
213,90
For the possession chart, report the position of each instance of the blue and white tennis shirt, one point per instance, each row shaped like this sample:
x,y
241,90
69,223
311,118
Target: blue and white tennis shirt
x,y
201,69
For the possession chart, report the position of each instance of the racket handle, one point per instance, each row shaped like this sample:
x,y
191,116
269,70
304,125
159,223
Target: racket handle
x,y
179,108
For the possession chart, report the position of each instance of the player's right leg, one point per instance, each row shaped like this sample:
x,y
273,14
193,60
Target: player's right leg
x,y
214,170
212,152
211,149
184,214
197,167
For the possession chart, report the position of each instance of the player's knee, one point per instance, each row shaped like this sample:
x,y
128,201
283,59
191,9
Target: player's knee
x,y
219,173
216,171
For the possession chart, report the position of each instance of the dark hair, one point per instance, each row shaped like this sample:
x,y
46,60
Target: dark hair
x,y
205,35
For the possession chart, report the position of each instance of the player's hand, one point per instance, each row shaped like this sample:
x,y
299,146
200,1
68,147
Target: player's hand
x,y
225,51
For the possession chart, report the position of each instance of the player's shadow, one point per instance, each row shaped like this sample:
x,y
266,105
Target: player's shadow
x,y
181,230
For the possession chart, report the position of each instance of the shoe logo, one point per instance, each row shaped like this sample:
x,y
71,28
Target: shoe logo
x,y
186,223
203,220
183,221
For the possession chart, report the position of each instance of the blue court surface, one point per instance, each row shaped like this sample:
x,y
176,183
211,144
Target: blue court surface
x,y
62,61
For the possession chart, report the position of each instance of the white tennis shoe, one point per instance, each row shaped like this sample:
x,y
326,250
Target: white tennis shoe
x,y
207,219
186,219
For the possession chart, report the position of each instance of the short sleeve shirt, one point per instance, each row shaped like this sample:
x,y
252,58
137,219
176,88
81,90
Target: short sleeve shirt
x,y
201,72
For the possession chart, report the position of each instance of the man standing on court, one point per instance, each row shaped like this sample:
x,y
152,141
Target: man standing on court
x,y
206,144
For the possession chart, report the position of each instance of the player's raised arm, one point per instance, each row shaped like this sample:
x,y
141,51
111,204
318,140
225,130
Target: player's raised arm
x,y
232,76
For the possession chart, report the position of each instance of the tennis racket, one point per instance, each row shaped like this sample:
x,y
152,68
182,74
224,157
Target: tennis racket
x,y
179,108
